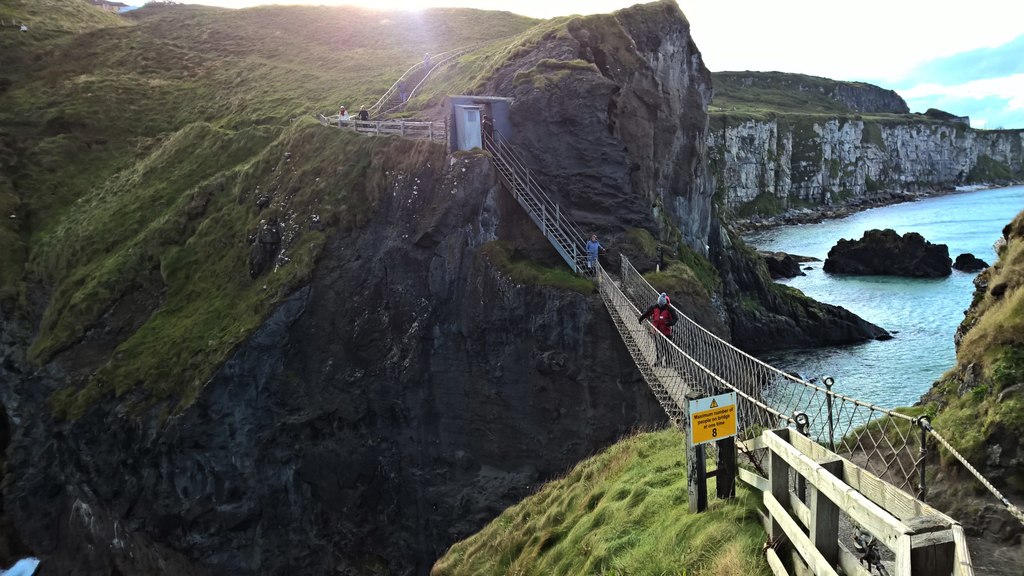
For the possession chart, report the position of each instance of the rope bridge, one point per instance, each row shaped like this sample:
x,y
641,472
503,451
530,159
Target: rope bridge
x,y
889,444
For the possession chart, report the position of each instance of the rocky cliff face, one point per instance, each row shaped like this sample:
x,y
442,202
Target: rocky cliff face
x,y
613,118
410,389
979,403
793,163
408,394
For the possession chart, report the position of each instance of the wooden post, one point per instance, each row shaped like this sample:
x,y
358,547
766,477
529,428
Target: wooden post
x,y
778,479
430,131
401,127
932,549
725,476
696,476
696,467
824,528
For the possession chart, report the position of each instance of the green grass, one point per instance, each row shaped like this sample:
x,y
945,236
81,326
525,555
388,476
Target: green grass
x,y
988,170
760,91
624,512
133,155
58,16
678,281
185,234
501,255
549,73
765,204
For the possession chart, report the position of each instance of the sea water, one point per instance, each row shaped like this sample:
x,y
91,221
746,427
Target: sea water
x,y
922,314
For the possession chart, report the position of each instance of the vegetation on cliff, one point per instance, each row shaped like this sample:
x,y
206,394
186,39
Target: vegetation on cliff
x,y
623,511
46,18
141,163
980,403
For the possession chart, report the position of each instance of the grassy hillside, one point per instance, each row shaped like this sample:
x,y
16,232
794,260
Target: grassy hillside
x,y
139,161
793,98
623,511
776,93
991,358
46,16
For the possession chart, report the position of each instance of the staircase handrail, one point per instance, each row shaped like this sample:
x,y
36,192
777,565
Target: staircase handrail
x,y
443,59
394,88
684,318
500,145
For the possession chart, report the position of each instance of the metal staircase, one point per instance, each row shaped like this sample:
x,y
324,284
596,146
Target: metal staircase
x,y
545,213
665,381
413,78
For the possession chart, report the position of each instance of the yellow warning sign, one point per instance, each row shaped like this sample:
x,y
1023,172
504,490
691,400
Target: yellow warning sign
x,y
713,418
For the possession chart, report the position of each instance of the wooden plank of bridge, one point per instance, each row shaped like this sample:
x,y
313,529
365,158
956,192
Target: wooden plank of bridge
x,y
673,383
756,482
886,527
815,560
775,563
962,565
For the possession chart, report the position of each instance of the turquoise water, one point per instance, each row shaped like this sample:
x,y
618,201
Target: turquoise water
x,y
922,314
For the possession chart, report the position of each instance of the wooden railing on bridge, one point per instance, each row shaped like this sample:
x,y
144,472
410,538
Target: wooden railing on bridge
x,y
812,495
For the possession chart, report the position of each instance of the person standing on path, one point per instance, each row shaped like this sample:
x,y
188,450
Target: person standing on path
x,y
593,248
663,317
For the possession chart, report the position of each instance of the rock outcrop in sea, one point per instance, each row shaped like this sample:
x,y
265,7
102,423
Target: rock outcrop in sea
x,y
884,252
968,262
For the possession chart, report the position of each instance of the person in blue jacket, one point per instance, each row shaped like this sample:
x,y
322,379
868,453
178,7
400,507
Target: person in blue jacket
x,y
593,248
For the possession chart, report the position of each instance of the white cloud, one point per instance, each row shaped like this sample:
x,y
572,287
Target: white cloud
x,y
1009,88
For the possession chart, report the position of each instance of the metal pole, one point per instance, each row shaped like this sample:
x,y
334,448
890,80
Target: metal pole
x,y
831,424
803,423
925,424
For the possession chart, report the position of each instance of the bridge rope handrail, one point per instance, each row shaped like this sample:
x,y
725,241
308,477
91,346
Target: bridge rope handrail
x,y
778,372
903,445
1010,507
606,282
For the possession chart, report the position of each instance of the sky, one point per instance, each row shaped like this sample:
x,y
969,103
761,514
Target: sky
x,y
966,58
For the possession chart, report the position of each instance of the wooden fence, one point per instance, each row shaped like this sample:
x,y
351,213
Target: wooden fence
x,y
810,492
407,129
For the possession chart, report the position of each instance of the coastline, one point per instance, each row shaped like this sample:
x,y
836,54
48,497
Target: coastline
x,y
821,213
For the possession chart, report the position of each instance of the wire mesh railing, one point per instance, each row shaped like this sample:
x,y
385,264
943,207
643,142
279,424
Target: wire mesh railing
x,y
887,443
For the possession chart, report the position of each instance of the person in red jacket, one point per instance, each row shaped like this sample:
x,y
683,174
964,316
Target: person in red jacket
x,y
663,317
